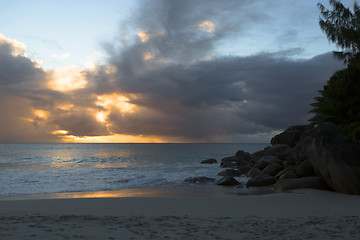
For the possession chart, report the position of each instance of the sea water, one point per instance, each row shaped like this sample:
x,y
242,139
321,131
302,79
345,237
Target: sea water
x,y
62,167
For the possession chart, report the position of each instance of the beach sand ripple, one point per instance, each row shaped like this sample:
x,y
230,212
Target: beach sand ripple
x,y
177,227
302,214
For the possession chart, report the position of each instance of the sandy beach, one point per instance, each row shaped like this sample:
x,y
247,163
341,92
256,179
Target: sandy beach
x,y
302,214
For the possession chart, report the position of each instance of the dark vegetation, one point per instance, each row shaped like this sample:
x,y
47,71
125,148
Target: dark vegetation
x,y
339,100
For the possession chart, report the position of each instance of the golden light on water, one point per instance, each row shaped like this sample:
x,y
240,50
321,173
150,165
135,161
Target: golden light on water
x,y
67,79
70,164
110,165
207,26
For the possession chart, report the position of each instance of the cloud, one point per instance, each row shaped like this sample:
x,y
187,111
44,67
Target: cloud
x,y
15,67
225,96
21,82
31,110
207,26
185,30
162,82
180,94
67,78
78,123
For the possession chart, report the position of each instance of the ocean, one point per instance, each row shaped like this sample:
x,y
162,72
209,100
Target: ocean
x,y
47,168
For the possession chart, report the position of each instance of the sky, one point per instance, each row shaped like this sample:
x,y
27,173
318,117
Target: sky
x,y
159,70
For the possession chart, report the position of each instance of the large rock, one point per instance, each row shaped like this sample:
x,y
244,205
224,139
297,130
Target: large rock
x,y
290,136
272,169
335,157
229,162
304,168
267,160
288,156
287,173
199,180
229,172
357,136
258,178
209,161
300,151
270,159
278,147
241,162
305,182
227,181
243,155
253,172
244,169
265,152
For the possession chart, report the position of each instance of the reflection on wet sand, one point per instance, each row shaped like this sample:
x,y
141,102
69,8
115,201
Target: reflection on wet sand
x,y
112,194
192,191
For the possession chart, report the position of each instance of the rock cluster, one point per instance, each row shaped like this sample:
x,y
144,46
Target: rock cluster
x,y
323,157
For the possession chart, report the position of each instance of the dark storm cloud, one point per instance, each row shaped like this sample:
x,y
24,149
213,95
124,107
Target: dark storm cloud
x,y
235,95
78,123
281,89
78,117
182,93
17,69
18,77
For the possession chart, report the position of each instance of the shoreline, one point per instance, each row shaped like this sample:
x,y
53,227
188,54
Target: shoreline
x,y
300,202
204,190
301,214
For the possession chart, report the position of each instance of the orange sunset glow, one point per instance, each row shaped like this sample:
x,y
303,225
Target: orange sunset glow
x,y
71,79
67,79
115,138
116,100
179,119
180,71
